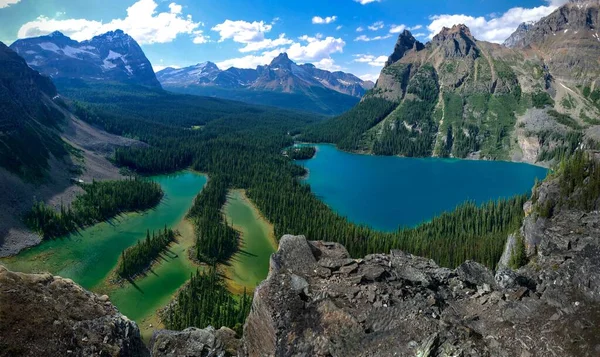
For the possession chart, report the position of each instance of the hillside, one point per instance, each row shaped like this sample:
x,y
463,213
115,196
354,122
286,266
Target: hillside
x,y
282,83
113,56
456,96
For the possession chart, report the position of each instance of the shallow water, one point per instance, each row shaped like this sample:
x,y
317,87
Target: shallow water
x,y
90,256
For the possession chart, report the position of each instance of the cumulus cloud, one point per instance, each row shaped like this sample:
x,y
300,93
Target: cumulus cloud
x,y
365,2
339,27
266,43
316,50
397,28
376,26
143,23
365,38
369,77
323,20
7,3
371,60
360,29
242,31
495,29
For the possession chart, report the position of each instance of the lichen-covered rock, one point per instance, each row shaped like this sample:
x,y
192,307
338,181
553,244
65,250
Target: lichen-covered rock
x,y
194,342
402,305
45,315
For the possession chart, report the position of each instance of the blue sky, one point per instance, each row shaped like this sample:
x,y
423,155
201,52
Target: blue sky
x,y
350,35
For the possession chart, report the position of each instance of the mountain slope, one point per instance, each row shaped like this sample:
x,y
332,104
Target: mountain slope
x,y
457,96
113,56
29,119
282,83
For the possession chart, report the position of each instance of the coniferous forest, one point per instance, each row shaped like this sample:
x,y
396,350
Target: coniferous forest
x,y
135,260
206,301
101,201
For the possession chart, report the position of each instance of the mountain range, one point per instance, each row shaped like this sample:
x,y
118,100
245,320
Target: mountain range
x,y
281,75
456,96
116,57
280,83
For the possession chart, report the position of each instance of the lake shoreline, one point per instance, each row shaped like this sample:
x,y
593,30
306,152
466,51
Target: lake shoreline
x,y
234,264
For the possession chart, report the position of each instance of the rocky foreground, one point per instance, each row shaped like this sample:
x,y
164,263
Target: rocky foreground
x,y
318,301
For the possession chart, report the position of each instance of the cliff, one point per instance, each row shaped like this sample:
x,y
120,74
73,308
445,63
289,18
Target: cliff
x,y
45,315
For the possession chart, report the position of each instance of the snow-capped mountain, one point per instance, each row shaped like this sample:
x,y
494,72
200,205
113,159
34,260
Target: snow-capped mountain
x,y
281,75
113,56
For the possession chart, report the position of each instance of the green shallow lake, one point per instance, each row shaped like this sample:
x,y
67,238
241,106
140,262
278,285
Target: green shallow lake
x,y
250,266
389,192
90,256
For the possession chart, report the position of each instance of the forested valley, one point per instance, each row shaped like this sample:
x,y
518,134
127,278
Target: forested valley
x,y
243,149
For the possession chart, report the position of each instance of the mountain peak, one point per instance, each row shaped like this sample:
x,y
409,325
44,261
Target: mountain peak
x,y
406,42
456,30
56,34
281,61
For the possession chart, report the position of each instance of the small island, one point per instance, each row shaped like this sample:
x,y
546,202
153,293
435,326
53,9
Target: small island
x,y
301,153
138,259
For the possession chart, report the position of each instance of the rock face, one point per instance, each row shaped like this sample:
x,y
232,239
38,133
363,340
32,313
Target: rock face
x,y
113,56
319,302
195,342
29,118
43,315
569,40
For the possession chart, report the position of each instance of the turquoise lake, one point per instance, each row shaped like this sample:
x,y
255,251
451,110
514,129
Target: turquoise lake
x,y
391,192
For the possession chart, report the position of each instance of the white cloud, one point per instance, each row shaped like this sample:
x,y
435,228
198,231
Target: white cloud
x,y
376,26
414,28
143,23
494,29
242,31
339,27
323,20
397,28
371,60
266,43
365,38
365,2
420,34
327,64
359,29
369,77
7,3
316,50
557,2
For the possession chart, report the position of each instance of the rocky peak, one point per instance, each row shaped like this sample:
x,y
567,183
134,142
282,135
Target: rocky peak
x,y
456,42
113,56
281,61
519,34
405,43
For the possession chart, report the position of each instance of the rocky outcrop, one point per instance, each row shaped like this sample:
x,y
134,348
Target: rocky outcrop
x,y
317,301
195,342
44,315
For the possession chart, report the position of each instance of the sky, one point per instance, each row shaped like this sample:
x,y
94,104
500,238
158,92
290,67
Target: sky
x,y
354,36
